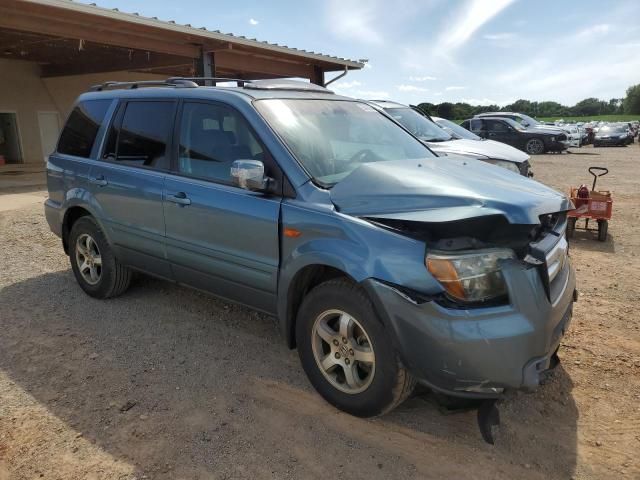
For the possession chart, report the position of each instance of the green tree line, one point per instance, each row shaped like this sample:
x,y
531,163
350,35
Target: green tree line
x,y
589,106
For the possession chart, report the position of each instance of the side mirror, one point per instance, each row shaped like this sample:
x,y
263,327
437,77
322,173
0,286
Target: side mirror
x,y
249,174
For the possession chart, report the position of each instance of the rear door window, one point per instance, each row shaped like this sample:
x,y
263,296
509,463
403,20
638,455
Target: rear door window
x,y
140,135
79,133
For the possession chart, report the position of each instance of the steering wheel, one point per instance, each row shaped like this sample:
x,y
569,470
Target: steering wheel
x,y
364,156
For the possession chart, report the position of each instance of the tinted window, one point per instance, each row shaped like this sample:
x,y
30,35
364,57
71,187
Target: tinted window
x,y
476,125
142,136
82,127
211,138
496,126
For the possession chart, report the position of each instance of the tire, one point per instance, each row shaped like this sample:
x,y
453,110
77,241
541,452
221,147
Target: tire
x,y
603,227
384,382
111,278
534,146
571,227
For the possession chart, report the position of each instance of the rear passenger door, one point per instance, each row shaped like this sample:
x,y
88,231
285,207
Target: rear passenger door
x,y
127,183
221,238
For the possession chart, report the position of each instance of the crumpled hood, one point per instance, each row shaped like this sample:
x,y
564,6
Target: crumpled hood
x,y
486,148
430,190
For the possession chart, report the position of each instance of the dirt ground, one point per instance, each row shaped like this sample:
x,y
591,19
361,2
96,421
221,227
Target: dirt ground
x,y
167,383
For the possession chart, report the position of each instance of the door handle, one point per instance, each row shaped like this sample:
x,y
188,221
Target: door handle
x,y
98,180
179,198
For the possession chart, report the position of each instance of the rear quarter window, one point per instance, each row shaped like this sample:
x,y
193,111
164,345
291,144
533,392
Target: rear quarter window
x,y
82,126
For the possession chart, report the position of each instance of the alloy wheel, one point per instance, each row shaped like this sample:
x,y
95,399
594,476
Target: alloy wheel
x,y
535,146
88,259
343,351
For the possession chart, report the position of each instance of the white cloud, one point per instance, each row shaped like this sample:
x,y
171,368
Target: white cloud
x,y
466,21
411,88
595,30
253,21
454,87
499,36
421,79
353,20
485,101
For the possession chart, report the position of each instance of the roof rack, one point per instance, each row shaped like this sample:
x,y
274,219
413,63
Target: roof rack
x,y
214,80
171,82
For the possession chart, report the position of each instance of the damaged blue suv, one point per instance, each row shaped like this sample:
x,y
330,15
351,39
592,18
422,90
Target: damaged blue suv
x,y
384,265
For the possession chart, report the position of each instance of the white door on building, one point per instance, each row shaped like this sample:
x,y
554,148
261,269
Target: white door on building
x,y
49,123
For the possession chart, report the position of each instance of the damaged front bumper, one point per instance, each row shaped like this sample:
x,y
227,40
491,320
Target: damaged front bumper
x,y
481,352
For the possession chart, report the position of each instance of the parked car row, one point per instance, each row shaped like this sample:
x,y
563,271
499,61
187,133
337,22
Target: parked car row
x,y
384,263
534,137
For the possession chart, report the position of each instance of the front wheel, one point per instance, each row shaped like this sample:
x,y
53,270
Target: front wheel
x,y
534,146
346,352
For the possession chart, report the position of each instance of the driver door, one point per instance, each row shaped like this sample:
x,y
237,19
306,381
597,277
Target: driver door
x,y
501,132
219,237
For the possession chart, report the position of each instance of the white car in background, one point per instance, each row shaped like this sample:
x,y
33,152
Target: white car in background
x,y
442,142
574,134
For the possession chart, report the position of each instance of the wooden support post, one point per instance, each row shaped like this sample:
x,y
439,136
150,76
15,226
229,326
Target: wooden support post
x,y
317,76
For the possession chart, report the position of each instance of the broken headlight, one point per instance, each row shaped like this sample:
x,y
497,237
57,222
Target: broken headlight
x,y
471,276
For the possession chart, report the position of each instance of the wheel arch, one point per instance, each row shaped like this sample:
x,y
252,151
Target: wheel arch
x,y
301,283
71,215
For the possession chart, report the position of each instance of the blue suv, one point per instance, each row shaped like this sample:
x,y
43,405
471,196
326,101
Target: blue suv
x,y
383,264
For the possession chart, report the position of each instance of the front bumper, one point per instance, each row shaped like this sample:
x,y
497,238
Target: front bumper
x,y
610,141
480,352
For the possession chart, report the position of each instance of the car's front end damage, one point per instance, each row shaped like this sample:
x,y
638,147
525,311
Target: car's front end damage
x,y
503,289
505,341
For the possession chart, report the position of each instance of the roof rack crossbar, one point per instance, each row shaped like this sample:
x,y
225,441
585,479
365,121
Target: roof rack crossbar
x,y
214,80
171,82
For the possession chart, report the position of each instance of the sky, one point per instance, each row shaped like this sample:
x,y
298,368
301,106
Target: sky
x,y
475,51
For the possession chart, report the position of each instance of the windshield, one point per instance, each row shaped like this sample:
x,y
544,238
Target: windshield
x,y
331,138
528,120
613,129
513,123
419,125
457,130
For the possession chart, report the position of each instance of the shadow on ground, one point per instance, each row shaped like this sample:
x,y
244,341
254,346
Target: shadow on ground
x,y
213,390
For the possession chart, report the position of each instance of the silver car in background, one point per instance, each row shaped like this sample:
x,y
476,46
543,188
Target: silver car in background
x,y
443,142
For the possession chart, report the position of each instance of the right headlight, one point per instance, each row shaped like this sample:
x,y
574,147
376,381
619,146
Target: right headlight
x,y
504,164
470,276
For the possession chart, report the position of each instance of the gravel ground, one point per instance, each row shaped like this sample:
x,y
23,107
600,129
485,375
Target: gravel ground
x,y
167,383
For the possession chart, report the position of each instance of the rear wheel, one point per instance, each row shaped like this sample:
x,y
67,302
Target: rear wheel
x,y
346,352
534,146
571,227
95,267
603,227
